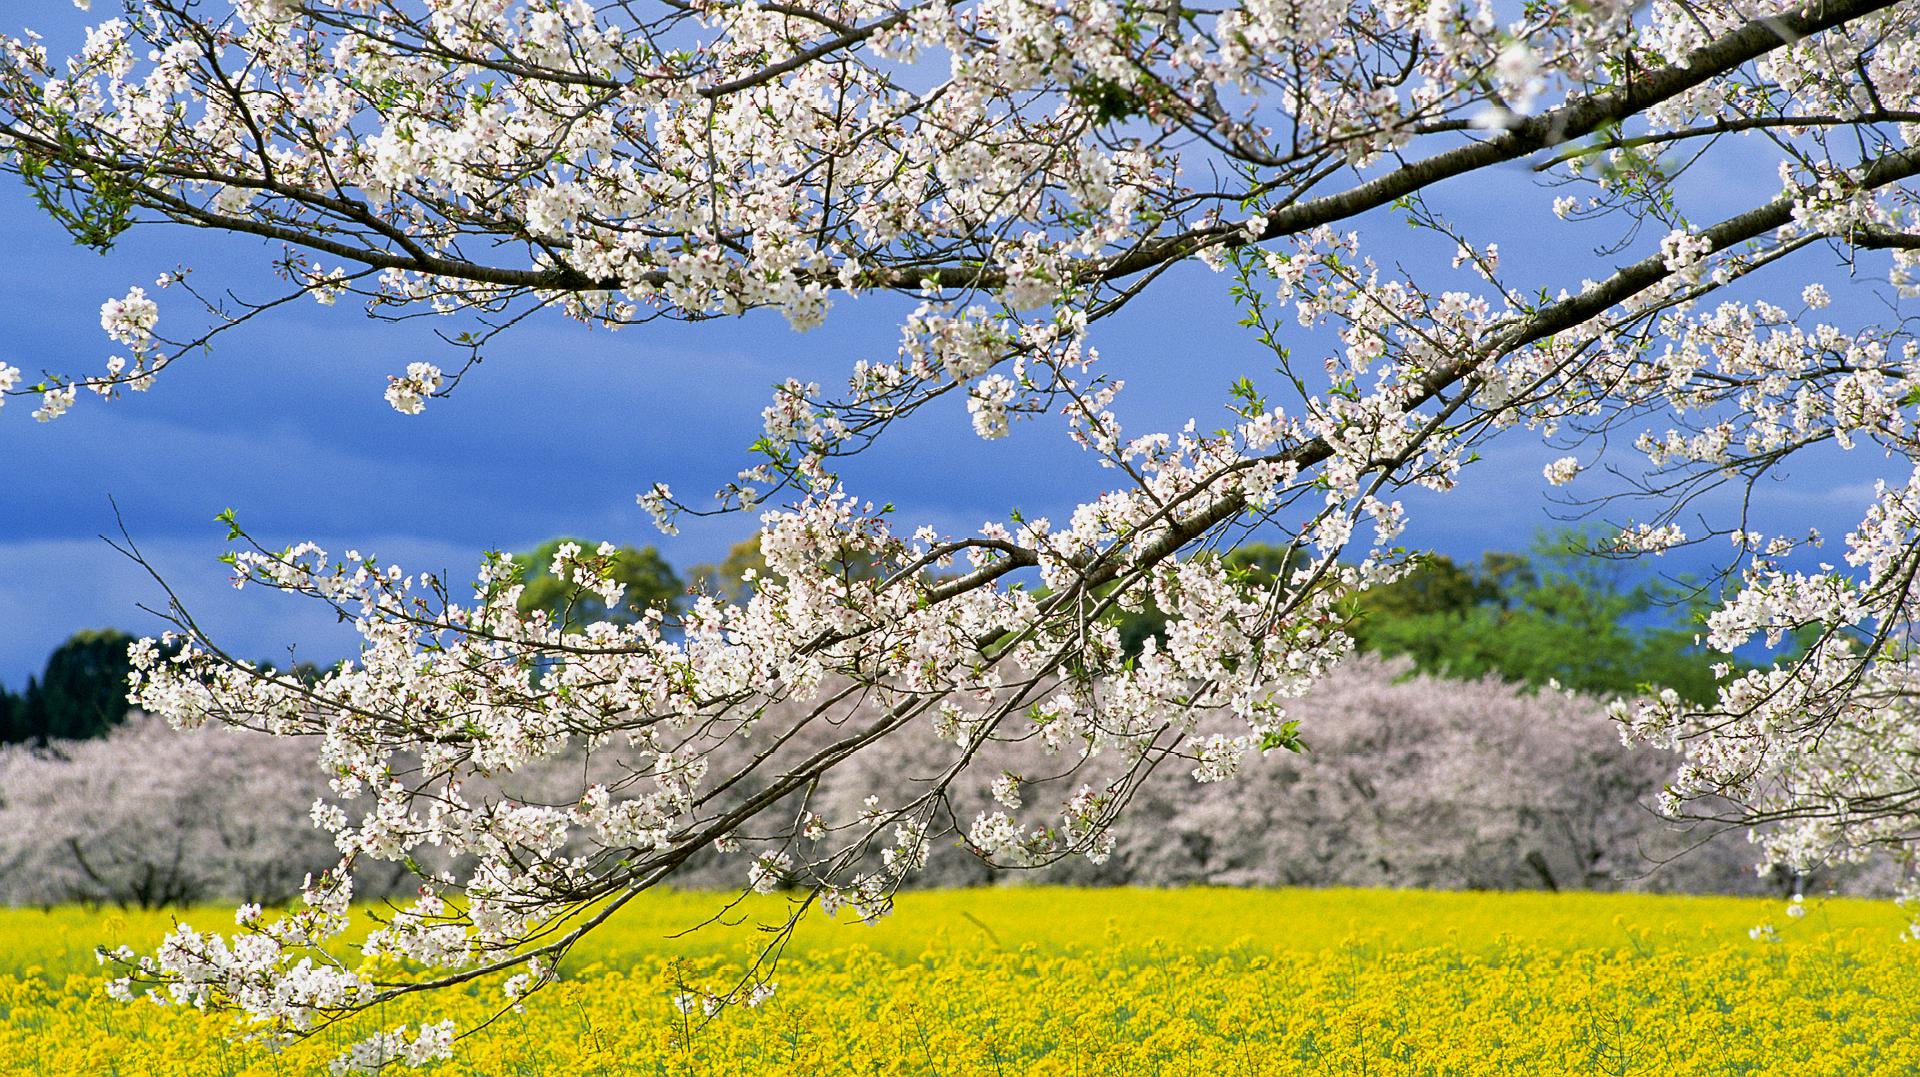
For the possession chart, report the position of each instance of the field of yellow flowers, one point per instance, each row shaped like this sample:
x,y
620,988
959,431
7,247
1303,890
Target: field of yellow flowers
x,y
1050,981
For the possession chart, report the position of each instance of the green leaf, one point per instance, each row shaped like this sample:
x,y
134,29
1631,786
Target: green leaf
x,y
1287,736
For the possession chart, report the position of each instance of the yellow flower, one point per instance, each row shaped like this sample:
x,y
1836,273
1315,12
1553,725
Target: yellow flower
x,y
1095,982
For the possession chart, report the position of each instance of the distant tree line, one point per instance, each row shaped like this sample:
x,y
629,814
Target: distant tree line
x,y
1556,615
1560,615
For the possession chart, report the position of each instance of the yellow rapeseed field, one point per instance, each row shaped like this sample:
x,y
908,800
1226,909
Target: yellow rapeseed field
x,y
1068,982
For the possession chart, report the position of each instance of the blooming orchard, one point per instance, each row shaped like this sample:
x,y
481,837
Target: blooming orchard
x,y
1020,169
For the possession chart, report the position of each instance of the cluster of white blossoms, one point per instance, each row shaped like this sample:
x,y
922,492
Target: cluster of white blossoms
x,y
1562,471
1018,170
408,395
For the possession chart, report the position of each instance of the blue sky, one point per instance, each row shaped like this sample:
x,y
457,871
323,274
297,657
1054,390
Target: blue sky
x,y
284,422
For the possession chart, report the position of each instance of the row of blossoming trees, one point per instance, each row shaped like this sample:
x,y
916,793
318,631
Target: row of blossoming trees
x,y
1019,170
1412,782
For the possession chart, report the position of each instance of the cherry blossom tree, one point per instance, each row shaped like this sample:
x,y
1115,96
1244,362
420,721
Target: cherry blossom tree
x,y
1019,171
1412,781
149,817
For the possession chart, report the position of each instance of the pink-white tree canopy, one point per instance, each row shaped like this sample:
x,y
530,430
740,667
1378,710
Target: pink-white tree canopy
x,y
1020,169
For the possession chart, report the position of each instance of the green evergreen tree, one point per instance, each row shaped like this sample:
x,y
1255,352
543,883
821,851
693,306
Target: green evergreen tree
x,y
9,708
83,692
